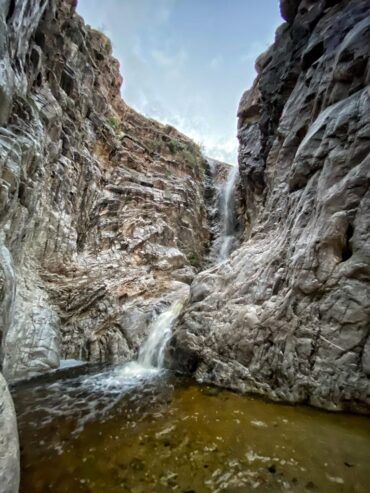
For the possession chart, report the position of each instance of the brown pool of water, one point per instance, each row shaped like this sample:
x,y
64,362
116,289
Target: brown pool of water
x,y
103,434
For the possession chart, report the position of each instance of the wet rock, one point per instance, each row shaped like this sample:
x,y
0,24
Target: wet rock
x,y
137,464
199,292
211,391
311,486
348,464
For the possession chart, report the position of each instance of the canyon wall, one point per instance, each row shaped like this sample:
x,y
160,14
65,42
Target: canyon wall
x,y
103,215
106,216
287,316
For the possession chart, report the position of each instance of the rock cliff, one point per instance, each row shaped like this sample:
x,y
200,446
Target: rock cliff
x,y
103,213
107,216
288,315
102,210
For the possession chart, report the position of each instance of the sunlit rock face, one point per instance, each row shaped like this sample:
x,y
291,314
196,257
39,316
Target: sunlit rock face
x,y
288,315
102,210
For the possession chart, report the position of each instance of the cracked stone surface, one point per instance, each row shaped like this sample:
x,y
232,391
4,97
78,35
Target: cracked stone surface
x,y
287,316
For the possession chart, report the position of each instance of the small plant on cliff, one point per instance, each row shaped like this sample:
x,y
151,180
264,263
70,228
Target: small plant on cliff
x,y
194,259
190,158
174,145
113,122
154,145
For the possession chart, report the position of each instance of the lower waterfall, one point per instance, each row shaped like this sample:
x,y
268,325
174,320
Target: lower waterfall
x,y
152,352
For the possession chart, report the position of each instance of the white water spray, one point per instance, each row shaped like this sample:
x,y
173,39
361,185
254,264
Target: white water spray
x,y
152,352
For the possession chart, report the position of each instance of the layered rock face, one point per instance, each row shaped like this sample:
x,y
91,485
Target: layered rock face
x,y
288,315
102,210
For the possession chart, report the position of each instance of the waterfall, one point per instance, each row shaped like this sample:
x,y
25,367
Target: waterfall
x,y
151,353
228,216
226,213
211,166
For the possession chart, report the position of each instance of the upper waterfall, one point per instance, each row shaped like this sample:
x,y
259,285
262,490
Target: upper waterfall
x,y
228,214
224,211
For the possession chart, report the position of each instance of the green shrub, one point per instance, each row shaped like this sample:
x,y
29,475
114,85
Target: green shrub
x,y
174,145
190,158
154,145
194,259
113,122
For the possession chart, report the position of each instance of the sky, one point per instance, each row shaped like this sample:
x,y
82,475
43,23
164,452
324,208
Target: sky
x,y
188,62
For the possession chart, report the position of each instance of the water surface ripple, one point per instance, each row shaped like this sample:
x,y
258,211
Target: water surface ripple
x,y
134,430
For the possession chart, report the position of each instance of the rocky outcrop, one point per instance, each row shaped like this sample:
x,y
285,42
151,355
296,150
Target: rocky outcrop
x,y
288,315
102,210
9,449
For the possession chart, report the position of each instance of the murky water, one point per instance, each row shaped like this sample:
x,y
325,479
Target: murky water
x,y
94,430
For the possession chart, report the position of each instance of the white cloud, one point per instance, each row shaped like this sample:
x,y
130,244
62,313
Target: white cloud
x,y
170,61
216,62
161,58
197,128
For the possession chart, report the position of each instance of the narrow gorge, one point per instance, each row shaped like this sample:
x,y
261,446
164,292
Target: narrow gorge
x,y
150,295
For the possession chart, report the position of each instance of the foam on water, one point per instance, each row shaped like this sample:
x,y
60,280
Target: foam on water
x,y
86,397
136,371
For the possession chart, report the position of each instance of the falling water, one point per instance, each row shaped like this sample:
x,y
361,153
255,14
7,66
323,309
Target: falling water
x,y
227,215
151,353
211,166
